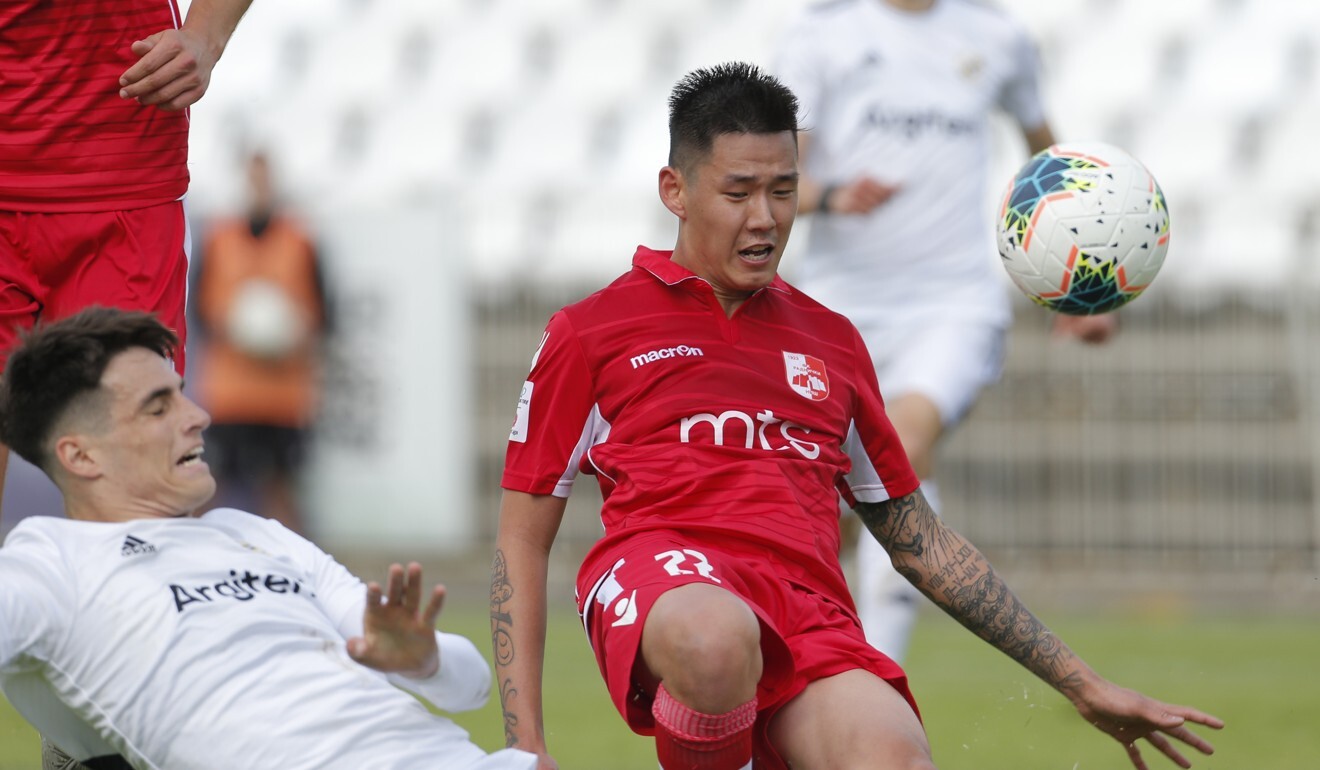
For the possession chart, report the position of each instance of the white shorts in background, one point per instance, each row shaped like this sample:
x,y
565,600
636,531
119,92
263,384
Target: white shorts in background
x,y
947,360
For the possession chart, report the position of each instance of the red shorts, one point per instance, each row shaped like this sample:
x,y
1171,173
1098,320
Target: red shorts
x,y
54,264
805,635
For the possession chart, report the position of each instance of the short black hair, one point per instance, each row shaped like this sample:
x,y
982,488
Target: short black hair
x,y
732,98
56,364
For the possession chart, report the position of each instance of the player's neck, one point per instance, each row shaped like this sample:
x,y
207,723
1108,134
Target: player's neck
x,y
96,507
914,6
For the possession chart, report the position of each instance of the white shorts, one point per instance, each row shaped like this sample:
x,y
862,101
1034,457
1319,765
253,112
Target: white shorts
x,y
947,360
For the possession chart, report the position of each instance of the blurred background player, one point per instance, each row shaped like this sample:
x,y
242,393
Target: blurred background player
x,y
261,305
93,167
896,98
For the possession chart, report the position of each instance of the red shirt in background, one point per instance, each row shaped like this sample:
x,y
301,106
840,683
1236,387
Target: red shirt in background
x,y
68,143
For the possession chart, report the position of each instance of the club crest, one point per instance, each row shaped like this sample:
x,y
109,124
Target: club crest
x,y
806,376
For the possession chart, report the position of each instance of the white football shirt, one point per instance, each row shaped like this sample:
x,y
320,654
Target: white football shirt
x,y
216,642
906,98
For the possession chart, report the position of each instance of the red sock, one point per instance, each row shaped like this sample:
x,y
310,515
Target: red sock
x,y
690,740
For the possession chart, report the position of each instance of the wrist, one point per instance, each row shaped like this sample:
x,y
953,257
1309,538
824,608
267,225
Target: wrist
x,y
823,202
428,669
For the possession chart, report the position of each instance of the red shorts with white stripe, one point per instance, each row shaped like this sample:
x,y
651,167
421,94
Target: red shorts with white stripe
x,y
805,636
54,264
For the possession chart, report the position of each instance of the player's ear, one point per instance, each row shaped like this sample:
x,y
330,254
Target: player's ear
x,y
673,188
74,454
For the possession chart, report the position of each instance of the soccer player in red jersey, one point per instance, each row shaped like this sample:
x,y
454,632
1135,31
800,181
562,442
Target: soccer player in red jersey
x,y
93,164
722,412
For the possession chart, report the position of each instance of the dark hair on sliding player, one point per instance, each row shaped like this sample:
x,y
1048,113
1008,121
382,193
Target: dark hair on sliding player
x,y
59,364
733,98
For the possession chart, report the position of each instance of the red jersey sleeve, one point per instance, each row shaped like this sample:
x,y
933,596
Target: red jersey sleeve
x,y
557,420
880,467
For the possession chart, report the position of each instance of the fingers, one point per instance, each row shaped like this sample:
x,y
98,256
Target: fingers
x,y
433,606
1134,754
357,648
153,55
1168,749
169,72
1188,737
412,594
394,593
373,596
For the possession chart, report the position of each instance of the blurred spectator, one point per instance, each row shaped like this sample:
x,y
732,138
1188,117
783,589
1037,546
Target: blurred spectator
x,y
262,311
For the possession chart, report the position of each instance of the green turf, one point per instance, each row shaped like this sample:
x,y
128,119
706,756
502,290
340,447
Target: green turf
x,y
981,711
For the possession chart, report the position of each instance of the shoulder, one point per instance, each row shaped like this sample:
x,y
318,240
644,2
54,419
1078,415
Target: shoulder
x,y
822,15
36,532
830,8
990,18
623,297
814,317
247,525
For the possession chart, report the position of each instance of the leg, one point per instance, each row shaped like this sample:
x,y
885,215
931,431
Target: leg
x,y
850,721
701,649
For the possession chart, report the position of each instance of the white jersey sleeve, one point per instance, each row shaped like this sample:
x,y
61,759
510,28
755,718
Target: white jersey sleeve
x,y
1021,96
461,683
35,607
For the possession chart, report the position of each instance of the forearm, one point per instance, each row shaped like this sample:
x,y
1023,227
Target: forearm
x,y
214,21
949,570
517,626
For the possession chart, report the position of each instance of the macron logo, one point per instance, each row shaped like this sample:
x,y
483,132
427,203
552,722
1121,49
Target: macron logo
x,y
681,351
134,546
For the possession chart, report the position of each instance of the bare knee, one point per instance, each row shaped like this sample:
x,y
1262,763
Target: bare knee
x,y
704,644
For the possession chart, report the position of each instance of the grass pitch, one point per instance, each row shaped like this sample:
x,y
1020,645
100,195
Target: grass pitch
x,y
982,712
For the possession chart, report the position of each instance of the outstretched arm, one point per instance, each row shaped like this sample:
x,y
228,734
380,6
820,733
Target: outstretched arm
x,y
956,576
174,65
528,525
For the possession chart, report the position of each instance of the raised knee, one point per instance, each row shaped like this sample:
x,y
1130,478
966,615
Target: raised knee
x,y
708,653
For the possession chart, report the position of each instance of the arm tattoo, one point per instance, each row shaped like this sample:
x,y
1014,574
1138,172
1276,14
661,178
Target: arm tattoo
x,y
956,576
501,623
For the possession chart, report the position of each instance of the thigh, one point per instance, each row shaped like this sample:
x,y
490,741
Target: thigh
x,y
946,360
133,260
851,720
616,607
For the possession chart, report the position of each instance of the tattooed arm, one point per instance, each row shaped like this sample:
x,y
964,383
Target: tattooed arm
x,y
951,572
528,525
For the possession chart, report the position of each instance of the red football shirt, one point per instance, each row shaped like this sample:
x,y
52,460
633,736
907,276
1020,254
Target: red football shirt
x,y
67,141
742,430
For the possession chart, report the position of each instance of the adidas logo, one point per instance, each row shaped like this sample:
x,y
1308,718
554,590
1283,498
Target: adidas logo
x,y
134,546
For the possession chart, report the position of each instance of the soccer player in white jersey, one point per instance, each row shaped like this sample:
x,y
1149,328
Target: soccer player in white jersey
x,y
219,641
896,98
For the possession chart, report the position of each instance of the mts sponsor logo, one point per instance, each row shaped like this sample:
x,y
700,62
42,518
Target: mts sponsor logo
x,y
678,351
764,430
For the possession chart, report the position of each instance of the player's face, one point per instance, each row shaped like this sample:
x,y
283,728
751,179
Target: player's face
x,y
151,454
737,207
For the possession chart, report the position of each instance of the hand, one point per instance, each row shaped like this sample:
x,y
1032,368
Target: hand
x,y
1129,716
396,638
1091,329
860,196
547,762
173,70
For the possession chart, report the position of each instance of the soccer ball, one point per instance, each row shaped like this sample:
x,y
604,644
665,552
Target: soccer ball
x,y
1083,228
